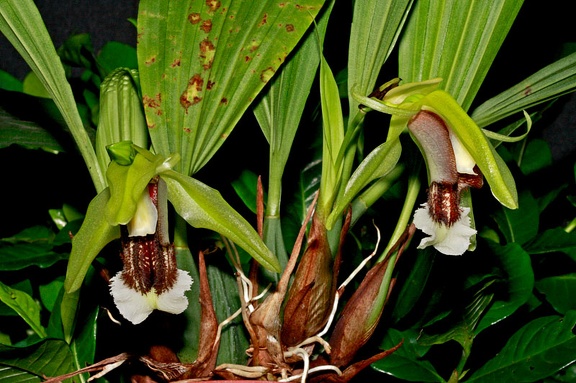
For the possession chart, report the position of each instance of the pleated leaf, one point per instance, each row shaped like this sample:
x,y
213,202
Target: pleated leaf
x,y
455,40
376,25
203,62
548,83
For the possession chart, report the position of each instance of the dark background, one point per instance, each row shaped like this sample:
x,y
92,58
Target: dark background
x,y
30,185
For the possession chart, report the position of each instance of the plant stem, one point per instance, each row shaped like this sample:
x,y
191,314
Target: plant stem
x,y
407,209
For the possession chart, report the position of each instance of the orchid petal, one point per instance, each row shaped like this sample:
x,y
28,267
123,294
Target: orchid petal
x,y
136,307
449,240
145,218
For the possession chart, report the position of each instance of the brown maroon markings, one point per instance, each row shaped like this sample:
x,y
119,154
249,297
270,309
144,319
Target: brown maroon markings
x,y
213,5
290,28
191,94
206,26
207,50
194,18
153,103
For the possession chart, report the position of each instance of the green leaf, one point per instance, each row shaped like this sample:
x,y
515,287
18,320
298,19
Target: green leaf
x,y
333,137
537,156
34,87
49,292
25,306
203,207
203,63
414,284
376,165
463,319
45,359
77,51
376,25
406,363
15,375
233,343
9,82
24,286
518,279
30,247
117,55
520,225
280,107
22,24
245,188
559,291
456,41
190,336
536,351
551,241
548,83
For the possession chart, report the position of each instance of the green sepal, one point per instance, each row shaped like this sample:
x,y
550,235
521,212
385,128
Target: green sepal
x,y
127,183
203,207
475,141
94,234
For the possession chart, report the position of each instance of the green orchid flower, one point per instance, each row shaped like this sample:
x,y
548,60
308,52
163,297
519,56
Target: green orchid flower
x,y
457,153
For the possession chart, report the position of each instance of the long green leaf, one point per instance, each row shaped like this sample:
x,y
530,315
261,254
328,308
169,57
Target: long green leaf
x,y
280,108
376,25
333,137
548,83
203,207
455,40
203,62
22,24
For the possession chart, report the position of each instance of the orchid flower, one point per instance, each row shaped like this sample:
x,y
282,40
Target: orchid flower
x,y
442,217
150,279
457,153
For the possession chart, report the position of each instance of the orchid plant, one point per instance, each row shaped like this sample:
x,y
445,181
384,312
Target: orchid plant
x,y
164,278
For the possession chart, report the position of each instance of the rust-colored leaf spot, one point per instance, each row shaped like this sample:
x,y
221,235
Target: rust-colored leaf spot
x,y
247,58
253,46
207,51
264,20
224,101
209,85
191,94
267,74
206,26
194,18
281,5
187,130
527,90
289,28
153,103
213,5
151,60
177,61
